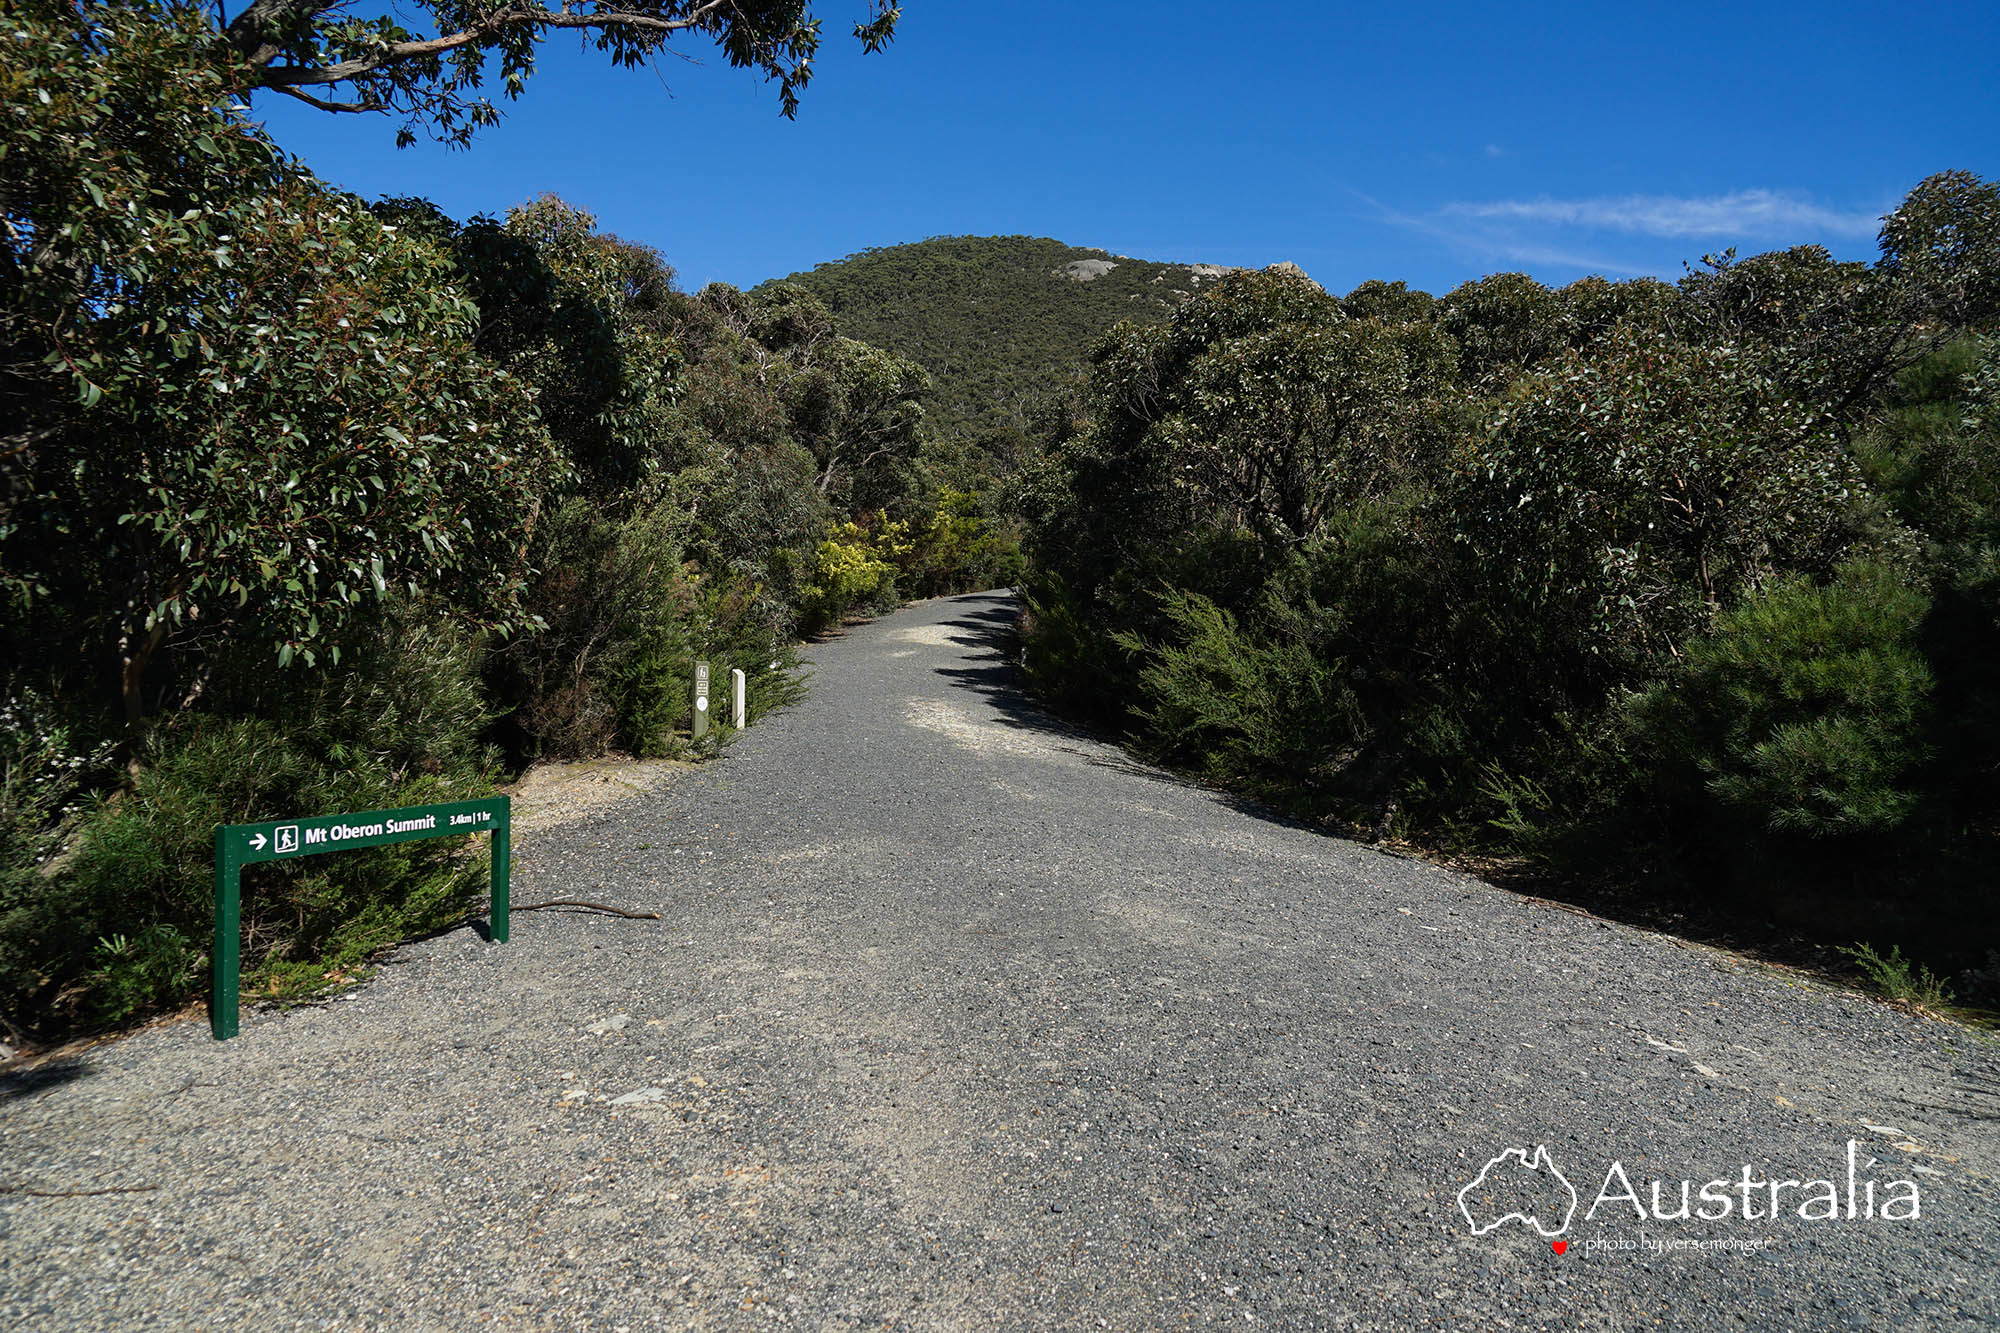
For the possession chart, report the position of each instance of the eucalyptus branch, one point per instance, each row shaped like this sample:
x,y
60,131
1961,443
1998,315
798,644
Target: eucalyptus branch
x,y
533,18
322,104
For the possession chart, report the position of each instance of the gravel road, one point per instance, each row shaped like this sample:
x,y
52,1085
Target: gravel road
x,y
958,1020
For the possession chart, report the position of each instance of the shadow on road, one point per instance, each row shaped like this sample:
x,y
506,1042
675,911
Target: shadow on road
x,y
37,1079
991,636
990,633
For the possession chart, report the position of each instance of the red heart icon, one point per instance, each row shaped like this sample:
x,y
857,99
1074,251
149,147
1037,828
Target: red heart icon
x,y
1559,1246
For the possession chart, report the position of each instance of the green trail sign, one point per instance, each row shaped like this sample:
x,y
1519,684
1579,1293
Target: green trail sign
x,y
239,845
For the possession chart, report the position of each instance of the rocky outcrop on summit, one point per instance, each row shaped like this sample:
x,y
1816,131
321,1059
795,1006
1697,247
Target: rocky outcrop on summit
x,y
1085,270
1287,266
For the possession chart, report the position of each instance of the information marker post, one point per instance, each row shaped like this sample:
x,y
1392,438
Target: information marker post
x,y
700,700
739,699
239,845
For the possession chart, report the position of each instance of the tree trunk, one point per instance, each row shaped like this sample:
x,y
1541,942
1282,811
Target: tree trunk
x,y
132,685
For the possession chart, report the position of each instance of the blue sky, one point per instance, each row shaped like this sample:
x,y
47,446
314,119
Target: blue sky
x,y
1431,143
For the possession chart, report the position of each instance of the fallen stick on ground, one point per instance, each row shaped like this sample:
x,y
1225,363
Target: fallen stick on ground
x,y
595,907
75,1194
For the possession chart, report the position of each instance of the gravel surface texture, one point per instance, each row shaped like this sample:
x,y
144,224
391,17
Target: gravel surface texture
x,y
958,1019
556,793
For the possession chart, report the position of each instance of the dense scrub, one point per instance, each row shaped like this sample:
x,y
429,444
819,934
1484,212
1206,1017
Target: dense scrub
x,y
1691,589
311,505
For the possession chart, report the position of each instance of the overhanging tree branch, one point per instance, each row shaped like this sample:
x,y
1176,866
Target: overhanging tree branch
x,y
438,81
532,18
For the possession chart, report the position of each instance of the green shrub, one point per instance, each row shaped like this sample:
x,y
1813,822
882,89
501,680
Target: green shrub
x,y
50,777
624,619
732,629
1066,653
129,975
611,664
1935,455
121,924
1622,498
1804,713
1694,588
49,771
240,410
1897,978
961,549
1261,710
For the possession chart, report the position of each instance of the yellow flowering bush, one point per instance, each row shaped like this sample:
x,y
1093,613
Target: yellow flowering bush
x,y
853,566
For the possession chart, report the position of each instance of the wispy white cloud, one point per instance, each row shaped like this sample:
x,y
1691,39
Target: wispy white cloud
x,y
1583,235
1758,214
1494,244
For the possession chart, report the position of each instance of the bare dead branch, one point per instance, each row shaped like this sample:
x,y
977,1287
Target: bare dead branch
x,y
323,104
594,907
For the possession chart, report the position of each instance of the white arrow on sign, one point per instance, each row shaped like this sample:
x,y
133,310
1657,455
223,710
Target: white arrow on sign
x,y
258,842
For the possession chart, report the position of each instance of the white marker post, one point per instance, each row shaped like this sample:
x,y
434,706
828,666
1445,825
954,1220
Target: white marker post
x,y
739,698
700,700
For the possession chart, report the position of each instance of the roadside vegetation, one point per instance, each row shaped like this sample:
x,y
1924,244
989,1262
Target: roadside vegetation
x,y
1686,592
309,505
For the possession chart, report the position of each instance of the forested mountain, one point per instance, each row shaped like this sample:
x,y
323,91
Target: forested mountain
x,y
998,321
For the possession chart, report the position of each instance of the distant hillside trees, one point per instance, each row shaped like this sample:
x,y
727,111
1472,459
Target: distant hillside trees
x,y
997,321
856,407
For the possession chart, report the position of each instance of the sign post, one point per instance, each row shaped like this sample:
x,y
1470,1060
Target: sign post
x,y
239,845
739,712
700,700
